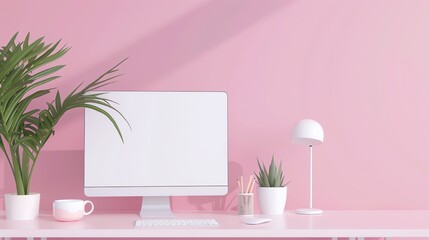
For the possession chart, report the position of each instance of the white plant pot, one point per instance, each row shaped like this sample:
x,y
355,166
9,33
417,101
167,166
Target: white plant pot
x,y
22,207
272,200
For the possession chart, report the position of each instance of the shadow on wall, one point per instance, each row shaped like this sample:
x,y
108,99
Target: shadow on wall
x,y
172,46
220,203
194,34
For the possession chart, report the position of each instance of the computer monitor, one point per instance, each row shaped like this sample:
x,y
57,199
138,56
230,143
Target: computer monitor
x,y
176,145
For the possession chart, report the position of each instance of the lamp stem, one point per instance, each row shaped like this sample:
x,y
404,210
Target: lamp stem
x,y
311,176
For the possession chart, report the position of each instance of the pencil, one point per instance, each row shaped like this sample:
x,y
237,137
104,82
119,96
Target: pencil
x,y
248,184
253,185
242,187
239,185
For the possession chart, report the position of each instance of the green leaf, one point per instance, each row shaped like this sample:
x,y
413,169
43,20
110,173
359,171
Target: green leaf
x,y
112,120
272,172
25,166
58,100
46,72
7,48
279,176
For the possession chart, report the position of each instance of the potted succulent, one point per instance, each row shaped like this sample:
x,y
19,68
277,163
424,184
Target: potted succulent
x,y
272,191
25,130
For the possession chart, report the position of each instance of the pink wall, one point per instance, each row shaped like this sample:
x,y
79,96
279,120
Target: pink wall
x,y
358,67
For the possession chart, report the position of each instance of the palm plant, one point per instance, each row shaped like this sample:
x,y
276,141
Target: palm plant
x,y
23,131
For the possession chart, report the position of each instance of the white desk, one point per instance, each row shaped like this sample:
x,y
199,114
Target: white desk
x,y
333,224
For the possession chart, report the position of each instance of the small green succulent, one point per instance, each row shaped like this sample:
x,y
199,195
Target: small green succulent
x,y
273,177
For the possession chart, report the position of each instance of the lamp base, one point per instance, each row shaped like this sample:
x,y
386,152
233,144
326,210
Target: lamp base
x,y
309,211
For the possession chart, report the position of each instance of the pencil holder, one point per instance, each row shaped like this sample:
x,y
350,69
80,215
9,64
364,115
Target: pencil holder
x,y
245,204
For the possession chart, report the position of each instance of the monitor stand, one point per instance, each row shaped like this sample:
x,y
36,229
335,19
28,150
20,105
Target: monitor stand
x,y
156,207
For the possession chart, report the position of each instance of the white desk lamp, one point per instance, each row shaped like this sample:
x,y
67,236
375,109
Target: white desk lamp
x,y
308,132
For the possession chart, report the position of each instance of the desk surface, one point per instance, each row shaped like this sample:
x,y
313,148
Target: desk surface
x,y
329,224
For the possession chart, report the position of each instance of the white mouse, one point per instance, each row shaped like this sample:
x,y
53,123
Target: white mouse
x,y
256,220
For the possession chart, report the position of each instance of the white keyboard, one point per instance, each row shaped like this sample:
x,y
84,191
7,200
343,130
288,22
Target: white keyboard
x,y
141,223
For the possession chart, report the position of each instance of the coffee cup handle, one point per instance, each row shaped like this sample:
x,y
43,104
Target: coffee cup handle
x,y
92,207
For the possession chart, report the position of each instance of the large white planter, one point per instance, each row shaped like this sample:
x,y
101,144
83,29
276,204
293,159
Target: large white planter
x,y
22,207
272,200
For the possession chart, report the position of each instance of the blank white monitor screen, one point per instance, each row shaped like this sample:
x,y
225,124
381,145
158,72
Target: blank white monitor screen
x,y
177,145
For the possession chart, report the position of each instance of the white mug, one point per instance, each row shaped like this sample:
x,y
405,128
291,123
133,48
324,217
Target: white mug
x,y
68,210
